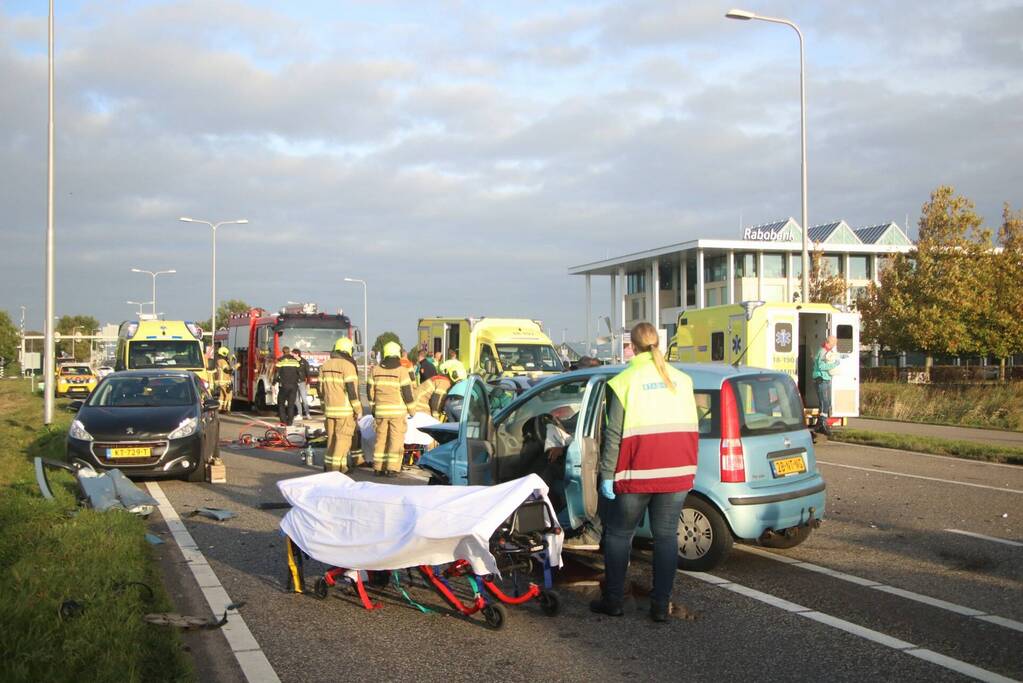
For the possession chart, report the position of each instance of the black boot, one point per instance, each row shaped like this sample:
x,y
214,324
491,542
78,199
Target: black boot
x,y
605,606
659,613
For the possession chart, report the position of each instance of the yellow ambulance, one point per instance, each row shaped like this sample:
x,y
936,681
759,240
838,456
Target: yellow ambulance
x,y
177,344
492,346
777,336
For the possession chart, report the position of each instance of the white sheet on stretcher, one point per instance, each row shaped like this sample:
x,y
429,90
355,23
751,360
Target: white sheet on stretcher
x,y
368,429
365,525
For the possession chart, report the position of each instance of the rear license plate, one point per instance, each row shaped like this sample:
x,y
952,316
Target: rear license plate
x,y
787,466
137,452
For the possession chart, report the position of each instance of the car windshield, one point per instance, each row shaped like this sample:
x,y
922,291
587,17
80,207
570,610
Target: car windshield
x,y
529,357
143,392
311,338
768,403
75,370
165,353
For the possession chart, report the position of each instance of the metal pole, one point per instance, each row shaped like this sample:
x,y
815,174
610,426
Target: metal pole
x,y
48,345
802,133
213,295
154,294
365,331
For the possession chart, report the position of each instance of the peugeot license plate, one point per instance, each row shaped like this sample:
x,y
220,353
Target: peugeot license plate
x,y
134,452
786,466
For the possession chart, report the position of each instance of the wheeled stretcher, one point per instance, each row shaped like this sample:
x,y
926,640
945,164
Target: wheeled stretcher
x,y
525,535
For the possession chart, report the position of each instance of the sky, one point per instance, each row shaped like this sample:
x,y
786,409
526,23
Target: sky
x,y
461,156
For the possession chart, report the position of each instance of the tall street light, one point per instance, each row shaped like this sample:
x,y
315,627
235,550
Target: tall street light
x,y
154,274
213,296
49,348
365,325
745,15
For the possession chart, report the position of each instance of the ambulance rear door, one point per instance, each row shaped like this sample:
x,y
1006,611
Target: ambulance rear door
x,y
781,343
845,379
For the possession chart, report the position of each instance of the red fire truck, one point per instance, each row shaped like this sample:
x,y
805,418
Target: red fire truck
x,y
257,337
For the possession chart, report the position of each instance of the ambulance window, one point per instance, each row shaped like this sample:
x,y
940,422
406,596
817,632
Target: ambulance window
x,y
717,346
845,338
437,344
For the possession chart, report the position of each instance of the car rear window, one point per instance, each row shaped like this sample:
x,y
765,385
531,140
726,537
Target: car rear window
x,y
767,404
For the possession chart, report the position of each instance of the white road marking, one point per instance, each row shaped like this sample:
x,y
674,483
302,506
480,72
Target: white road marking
x,y
964,461
985,538
855,629
918,476
877,585
254,664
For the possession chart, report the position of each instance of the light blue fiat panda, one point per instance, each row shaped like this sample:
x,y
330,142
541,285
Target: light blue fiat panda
x,y
757,478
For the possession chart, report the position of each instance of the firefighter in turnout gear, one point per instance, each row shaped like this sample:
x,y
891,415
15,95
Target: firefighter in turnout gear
x,y
390,397
339,391
286,376
431,394
224,378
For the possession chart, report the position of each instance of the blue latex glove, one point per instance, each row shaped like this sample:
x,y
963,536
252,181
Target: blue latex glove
x,y
607,489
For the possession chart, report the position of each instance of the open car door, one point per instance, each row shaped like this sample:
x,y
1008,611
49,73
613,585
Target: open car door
x,y
845,379
583,456
474,452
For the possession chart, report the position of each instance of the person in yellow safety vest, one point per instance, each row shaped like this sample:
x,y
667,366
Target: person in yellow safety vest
x,y
390,396
339,391
431,394
647,465
224,378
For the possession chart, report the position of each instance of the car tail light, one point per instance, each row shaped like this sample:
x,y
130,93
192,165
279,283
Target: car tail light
x,y
733,459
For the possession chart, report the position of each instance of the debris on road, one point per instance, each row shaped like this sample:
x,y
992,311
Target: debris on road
x,y
153,539
189,623
219,514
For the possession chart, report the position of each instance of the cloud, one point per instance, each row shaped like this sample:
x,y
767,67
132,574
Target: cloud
x,y
461,157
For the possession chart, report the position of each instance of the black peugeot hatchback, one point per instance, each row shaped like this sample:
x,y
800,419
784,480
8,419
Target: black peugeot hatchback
x,y
153,422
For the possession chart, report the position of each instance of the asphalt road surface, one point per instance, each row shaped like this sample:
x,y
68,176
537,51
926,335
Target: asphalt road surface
x,y
891,587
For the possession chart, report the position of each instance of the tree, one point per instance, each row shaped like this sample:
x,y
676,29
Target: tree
x,y
224,311
1001,299
826,287
71,326
920,303
384,338
10,340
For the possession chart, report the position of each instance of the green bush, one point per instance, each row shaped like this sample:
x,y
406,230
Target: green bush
x,y
990,405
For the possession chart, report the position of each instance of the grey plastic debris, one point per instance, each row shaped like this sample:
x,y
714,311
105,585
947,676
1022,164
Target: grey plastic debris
x,y
112,490
153,539
185,622
218,514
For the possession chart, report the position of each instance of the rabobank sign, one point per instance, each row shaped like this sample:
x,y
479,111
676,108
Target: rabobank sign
x,y
782,234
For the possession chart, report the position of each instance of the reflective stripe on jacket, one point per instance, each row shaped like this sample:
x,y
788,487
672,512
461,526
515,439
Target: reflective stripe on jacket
x,y
339,387
287,371
660,431
390,390
431,394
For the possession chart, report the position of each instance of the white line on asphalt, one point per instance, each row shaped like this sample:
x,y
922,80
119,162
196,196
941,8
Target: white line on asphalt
x,y
877,585
964,461
855,629
254,664
985,538
918,476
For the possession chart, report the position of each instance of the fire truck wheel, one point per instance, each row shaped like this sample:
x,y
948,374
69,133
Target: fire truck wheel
x,y
261,398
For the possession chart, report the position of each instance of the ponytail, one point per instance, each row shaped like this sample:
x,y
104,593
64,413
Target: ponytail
x,y
644,338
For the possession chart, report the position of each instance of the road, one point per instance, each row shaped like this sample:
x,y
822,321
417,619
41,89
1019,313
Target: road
x,y
881,591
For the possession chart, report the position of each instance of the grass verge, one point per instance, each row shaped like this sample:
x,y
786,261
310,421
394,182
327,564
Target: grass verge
x,y
997,406
53,551
968,450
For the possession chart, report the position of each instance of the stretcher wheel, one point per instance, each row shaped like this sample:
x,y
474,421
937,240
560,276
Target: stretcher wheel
x,y
550,603
320,588
494,616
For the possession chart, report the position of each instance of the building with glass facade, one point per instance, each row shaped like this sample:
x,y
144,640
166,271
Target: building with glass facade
x,y
766,264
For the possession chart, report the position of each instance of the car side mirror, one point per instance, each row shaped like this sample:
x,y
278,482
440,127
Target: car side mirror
x,y
210,404
75,405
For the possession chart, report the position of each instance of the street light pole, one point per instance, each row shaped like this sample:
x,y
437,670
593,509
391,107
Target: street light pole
x,y
154,274
213,294
48,345
745,15
365,325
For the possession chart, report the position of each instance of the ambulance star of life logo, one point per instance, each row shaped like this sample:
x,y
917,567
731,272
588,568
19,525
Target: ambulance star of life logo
x,y
736,344
783,338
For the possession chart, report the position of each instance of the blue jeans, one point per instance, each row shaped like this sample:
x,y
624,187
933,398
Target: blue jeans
x,y
625,513
303,399
824,395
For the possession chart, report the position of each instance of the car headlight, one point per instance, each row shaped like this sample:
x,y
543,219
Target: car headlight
x,y
77,431
186,428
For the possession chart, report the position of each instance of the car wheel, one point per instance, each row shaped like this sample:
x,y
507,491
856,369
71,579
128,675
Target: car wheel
x,y
261,398
789,538
704,538
199,473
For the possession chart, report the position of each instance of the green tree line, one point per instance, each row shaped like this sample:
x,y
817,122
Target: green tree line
x,y
959,292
